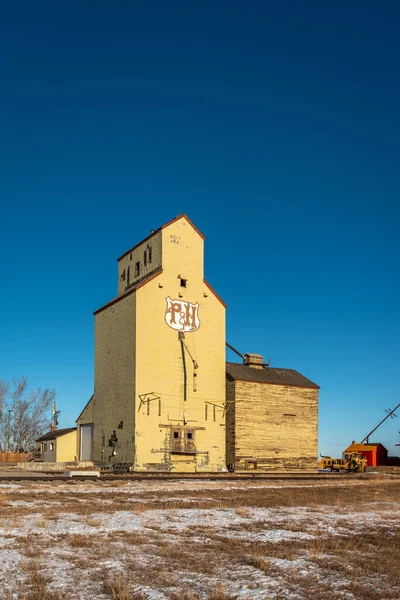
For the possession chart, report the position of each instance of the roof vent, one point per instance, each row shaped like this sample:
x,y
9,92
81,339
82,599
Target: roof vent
x,y
255,361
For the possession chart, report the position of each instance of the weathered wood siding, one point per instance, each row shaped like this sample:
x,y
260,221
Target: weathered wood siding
x,y
275,427
127,263
114,381
87,415
230,425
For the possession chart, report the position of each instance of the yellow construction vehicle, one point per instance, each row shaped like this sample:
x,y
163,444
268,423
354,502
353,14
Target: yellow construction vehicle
x,y
352,462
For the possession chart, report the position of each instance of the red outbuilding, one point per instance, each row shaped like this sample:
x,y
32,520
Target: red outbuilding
x,y
376,454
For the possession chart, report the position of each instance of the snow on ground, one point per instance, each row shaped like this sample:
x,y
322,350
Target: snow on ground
x,y
157,551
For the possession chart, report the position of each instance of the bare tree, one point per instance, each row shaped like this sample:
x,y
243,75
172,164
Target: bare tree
x,y
24,415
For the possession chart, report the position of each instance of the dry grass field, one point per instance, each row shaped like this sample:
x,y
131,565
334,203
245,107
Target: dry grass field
x,y
192,540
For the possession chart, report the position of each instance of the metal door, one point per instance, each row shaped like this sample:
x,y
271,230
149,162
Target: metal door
x,y
86,441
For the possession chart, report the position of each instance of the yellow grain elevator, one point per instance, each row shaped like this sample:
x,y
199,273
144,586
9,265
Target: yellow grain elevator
x,y
159,392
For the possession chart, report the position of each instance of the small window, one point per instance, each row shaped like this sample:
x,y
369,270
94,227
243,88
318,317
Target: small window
x,y
145,257
45,447
51,446
183,282
123,275
189,435
149,253
128,276
137,269
176,435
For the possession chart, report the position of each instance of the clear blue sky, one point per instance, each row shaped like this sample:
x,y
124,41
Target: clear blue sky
x,y
274,125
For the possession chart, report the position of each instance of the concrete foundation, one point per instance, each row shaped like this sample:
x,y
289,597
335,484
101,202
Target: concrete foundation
x,y
55,466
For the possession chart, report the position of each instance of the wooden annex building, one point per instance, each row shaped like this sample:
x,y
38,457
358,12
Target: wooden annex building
x,y
164,397
272,421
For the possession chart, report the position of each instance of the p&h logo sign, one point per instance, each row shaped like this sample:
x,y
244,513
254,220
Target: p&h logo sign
x,y
182,316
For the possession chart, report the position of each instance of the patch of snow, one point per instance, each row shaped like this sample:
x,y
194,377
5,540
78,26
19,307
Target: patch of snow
x,y
79,571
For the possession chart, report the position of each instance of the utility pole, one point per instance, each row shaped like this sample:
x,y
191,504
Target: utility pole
x,y
55,412
379,424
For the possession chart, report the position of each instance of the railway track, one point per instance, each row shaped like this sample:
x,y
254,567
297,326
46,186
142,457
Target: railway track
x,y
54,476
